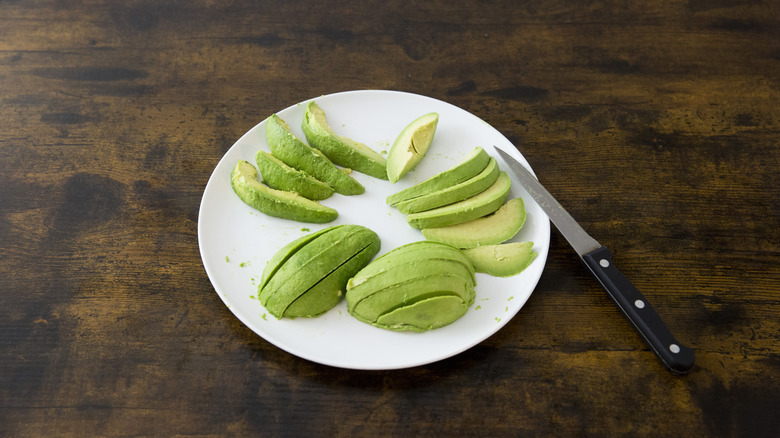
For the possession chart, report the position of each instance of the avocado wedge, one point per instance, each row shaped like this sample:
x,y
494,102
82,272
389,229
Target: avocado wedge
x,y
340,150
469,166
410,146
277,203
297,154
468,209
280,176
503,260
458,192
489,230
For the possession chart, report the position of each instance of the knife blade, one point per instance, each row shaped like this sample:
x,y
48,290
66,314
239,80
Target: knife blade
x,y
676,357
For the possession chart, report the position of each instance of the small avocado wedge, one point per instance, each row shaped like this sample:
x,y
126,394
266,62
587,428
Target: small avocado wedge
x,y
340,150
493,229
278,203
468,209
297,154
419,292
469,166
331,257
410,146
286,252
280,176
503,260
456,193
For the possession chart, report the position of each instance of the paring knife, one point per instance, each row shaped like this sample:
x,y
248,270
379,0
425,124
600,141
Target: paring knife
x,y
677,358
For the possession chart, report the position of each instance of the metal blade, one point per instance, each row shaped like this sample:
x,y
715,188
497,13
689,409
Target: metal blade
x,y
571,230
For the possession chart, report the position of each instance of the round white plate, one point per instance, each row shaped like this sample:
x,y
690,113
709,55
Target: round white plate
x,y
236,241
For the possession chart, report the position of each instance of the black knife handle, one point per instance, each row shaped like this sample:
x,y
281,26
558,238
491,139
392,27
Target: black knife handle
x,y
677,358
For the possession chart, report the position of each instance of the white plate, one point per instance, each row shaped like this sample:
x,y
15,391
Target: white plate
x,y
237,241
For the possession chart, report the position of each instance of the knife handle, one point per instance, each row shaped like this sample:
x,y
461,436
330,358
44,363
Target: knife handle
x,y
677,358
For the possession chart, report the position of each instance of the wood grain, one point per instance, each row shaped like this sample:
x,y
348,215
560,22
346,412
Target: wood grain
x,y
655,123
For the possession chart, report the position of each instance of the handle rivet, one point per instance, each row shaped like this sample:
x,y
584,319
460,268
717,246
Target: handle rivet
x,y
604,263
639,304
674,348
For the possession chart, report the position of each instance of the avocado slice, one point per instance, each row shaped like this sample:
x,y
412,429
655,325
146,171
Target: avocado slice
x,y
340,150
312,263
425,315
458,192
469,166
277,203
286,252
468,209
280,176
404,294
410,146
330,290
297,154
489,230
503,260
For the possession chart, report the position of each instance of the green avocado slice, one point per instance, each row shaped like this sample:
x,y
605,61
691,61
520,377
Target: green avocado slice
x,y
403,273
469,166
310,264
280,176
424,315
493,229
295,153
277,203
468,209
409,292
456,193
330,290
286,252
340,150
503,260
410,146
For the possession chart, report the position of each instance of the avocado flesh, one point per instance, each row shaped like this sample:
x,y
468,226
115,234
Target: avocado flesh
x,y
310,264
503,260
430,314
292,151
281,256
277,203
493,229
340,150
469,166
424,268
280,176
411,254
410,146
456,193
409,292
324,295
471,208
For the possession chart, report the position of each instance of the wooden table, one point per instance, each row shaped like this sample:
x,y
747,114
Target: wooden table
x,y
655,123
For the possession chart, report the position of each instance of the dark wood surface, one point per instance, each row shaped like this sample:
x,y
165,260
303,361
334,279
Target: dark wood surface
x,y
655,123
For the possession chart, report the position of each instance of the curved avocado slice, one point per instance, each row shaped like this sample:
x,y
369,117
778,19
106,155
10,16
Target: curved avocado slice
x,y
286,252
468,209
489,230
456,193
411,253
330,290
295,153
277,203
310,264
404,294
504,260
280,176
340,150
404,273
410,146
424,315
469,166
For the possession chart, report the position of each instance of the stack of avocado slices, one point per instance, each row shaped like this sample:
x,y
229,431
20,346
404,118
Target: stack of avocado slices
x,y
466,206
